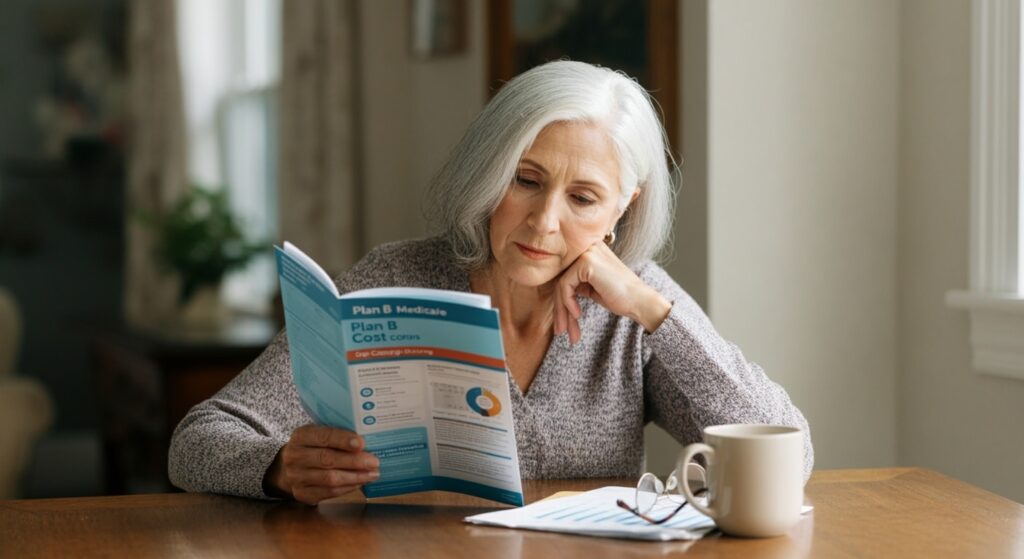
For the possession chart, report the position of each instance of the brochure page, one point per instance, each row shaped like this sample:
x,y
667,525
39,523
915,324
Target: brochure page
x,y
419,373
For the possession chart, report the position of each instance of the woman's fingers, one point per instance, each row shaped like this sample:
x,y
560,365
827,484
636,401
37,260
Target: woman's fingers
x,y
567,307
565,320
315,477
317,446
562,316
574,331
559,314
567,285
320,457
321,462
327,437
599,275
315,474
311,485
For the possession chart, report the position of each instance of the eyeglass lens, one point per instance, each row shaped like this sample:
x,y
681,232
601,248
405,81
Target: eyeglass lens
x,y
648,489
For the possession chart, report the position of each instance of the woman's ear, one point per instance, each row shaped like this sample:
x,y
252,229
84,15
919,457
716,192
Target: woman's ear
x,y
632,199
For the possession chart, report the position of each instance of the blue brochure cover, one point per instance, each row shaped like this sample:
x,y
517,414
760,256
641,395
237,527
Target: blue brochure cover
x,y
419,373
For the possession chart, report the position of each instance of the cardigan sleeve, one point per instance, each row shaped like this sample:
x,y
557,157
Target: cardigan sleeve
x,y
694,378
227,443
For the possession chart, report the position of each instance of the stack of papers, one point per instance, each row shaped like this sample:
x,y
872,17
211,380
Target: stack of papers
x,y
595,513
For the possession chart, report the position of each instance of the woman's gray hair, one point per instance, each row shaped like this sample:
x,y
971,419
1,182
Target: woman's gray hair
x,y
472,182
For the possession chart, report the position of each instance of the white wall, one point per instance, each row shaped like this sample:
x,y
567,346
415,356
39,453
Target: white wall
x,y
802,171
951,419
825,175
413,112
689,265
799,142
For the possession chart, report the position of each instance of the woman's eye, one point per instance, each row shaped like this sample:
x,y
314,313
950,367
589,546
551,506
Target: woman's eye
x,y
528,183
582,200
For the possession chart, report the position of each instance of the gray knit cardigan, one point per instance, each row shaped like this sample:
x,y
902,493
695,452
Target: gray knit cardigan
x,y
582,416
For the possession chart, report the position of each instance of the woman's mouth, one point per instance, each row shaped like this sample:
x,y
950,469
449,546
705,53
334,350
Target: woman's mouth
x,y
533,253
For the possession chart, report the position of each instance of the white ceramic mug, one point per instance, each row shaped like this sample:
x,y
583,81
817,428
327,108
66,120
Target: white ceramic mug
x,y
755,478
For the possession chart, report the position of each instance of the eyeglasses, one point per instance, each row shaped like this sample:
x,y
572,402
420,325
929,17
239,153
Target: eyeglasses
x,y
650,489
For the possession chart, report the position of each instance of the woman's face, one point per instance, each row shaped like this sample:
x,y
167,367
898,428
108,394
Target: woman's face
x,y
563,199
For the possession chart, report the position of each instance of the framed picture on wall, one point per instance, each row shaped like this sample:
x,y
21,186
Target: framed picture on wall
x,y
437,27
638,37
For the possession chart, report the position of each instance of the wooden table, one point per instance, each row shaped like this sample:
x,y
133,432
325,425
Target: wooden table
x,y
906,512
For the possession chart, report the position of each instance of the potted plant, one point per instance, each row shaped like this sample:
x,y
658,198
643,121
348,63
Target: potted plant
x,y
201,240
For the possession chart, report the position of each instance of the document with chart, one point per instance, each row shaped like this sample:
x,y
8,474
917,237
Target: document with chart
x,y
595,513
419,373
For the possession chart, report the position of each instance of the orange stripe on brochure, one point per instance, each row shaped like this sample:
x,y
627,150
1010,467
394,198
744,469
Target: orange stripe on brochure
x,y
358,355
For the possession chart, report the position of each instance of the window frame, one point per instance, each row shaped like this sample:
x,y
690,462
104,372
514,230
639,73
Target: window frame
x,y
994,299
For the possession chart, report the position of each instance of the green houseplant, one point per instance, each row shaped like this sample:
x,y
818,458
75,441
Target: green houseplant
x,y
200,239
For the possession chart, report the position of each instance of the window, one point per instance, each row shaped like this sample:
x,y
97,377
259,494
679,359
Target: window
x,y
231,65
995,298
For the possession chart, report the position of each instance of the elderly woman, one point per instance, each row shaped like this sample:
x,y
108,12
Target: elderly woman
x,y
553,204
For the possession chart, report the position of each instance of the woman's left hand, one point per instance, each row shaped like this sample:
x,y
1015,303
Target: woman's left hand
x,y
599,275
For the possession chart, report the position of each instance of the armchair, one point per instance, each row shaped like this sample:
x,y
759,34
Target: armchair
x,y
26,409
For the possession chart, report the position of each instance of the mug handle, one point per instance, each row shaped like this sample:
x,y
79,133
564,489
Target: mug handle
x,y
688,453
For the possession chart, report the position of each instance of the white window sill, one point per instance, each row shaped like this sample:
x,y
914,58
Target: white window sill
x,y
997,331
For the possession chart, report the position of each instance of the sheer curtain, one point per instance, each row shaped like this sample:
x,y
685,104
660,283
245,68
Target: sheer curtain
x,y
319,197
256,96
269,94
230,53
156,156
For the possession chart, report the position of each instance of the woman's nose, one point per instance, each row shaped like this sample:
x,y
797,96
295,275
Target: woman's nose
x,y
544,216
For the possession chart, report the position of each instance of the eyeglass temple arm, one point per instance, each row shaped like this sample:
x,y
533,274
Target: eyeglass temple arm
x,y
623,504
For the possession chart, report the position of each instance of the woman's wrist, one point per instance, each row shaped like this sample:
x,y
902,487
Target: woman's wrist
x,y
274,484
653,310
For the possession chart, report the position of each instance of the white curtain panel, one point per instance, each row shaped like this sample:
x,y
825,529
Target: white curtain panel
x,y
319,201
156,153
230,52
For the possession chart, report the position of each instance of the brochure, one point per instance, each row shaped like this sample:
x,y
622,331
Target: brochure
x,y
418,373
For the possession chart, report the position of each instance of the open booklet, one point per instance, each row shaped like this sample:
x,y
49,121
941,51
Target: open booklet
x,y
419,373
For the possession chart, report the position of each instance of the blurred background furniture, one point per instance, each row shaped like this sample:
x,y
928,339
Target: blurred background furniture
x,y
147,379
26,409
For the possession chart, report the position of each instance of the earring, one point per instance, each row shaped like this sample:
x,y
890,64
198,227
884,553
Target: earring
x,y
610,237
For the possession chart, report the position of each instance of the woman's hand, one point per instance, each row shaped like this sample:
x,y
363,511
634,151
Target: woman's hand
x,y
320,462
600,275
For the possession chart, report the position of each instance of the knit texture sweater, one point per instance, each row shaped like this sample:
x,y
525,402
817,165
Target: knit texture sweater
x,y
583,415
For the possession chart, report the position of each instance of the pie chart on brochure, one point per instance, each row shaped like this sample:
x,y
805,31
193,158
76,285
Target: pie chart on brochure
x,y
483,402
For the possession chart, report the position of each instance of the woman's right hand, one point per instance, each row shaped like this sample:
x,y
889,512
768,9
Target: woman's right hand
x,y
320,462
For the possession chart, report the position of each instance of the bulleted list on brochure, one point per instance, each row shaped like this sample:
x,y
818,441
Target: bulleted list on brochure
x,y
419,373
